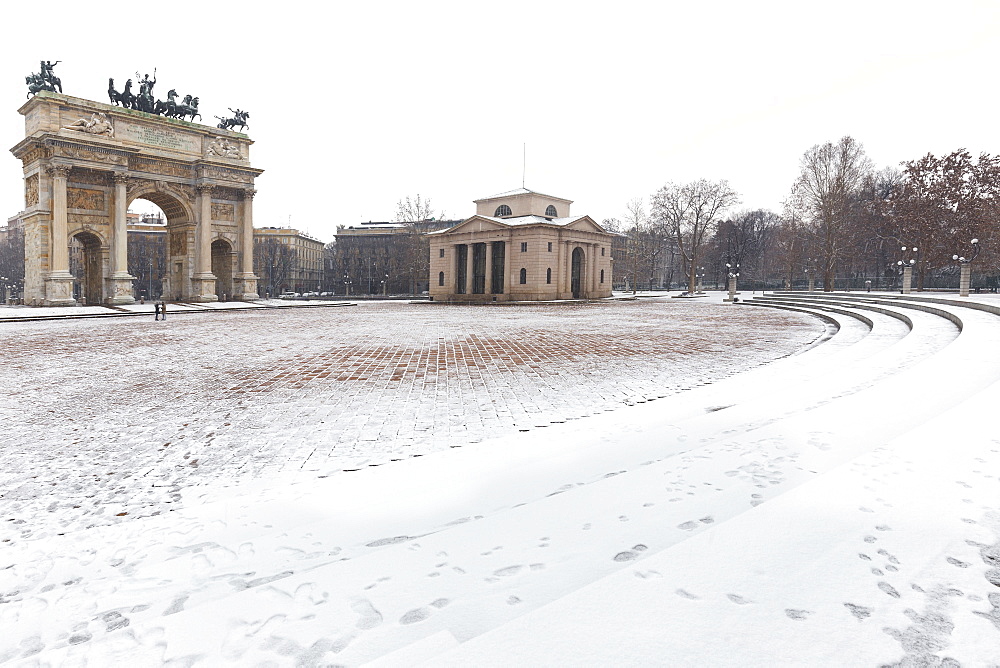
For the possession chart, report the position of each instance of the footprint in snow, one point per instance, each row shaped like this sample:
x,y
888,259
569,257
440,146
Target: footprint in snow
x,y
508,571
892,559
888,589
687,526
368,616
686,594
414,616
798,615
859,611
738,600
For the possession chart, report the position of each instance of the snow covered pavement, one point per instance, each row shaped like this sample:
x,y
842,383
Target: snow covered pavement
x,y
802,512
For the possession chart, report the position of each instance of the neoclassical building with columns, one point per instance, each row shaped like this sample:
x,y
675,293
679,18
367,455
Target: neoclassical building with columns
x,y
84,162
521,246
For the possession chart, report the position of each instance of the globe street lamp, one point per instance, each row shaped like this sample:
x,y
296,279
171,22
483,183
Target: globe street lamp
x,y
700,274
733,272
966,264
809,271
906,268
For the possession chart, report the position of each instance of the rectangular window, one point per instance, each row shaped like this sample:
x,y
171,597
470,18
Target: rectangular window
x,y
602,251
440,252
550,246
524,246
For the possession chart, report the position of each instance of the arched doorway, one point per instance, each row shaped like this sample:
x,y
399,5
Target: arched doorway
x,y
223,259
161,242
576,272
86,263
147,248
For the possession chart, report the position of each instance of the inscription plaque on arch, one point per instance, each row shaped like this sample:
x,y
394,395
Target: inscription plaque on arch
x,y
156,136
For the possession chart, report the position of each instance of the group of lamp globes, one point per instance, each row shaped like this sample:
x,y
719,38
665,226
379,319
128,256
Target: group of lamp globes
x,y
957,258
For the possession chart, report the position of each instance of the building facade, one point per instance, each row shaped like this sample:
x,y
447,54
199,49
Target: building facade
x,y
287,260
11,259
521,246
382,258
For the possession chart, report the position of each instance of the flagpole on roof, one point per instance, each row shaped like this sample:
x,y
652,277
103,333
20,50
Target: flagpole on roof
x,y
524,161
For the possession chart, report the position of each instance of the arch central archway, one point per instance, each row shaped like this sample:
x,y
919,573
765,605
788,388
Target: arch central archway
x,y
175,271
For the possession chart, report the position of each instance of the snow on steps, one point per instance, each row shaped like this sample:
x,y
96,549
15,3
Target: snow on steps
x,y
891,558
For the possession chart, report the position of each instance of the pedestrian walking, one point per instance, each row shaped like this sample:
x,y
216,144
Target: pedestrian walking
x,y
156,309
163,310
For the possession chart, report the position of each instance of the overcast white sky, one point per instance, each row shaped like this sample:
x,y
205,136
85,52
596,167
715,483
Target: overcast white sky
x,y
355,105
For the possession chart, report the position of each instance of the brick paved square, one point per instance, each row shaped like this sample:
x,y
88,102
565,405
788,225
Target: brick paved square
x,y
111,419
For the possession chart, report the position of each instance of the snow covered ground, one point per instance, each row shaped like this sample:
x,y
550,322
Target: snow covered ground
x,y
631,483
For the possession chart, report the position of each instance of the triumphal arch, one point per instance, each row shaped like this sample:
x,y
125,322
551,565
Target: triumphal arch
x,y
85,162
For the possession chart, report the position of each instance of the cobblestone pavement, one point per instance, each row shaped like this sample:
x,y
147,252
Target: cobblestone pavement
x,y
106,420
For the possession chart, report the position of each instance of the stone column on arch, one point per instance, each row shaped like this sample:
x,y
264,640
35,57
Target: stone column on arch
x,y
203,282
246,289
59,282
121,280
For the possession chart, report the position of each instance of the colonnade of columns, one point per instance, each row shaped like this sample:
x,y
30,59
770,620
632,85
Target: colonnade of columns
x,y
59,280
589,278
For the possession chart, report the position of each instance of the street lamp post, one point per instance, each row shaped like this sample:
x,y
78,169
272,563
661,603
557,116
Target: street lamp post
x,y
906,267
733,272
700,274
966,264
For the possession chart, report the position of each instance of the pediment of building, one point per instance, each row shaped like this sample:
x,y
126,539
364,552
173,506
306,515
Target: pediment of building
x,y
586,224
477,224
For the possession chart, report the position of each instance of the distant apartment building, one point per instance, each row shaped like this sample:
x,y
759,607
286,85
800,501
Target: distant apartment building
x,y
12,259
287,260
387,258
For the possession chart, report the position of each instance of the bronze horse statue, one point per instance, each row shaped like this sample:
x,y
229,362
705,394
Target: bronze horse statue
x,y
239,118
36,83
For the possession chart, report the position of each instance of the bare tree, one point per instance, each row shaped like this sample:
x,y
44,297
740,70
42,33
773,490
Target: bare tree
x,y
274,262
414,257
942,203
691,212
830,176
11,262
414,209
744,239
